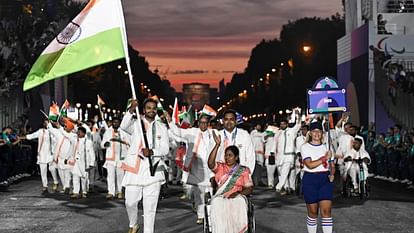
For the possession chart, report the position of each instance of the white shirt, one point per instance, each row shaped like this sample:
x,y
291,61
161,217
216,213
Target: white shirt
x,y
313,152
300,140
137,166
270,145
84,156
258,144
286,141
116,152
44,148
241,139
64,146
200,146
361,154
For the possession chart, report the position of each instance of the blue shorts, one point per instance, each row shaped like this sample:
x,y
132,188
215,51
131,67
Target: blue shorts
x,y
316,187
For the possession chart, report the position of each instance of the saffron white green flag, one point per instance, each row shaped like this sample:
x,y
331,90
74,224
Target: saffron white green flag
x,y
92,38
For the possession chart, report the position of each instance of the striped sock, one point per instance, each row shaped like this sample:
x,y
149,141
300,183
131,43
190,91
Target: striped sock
x,y
327,224
311,224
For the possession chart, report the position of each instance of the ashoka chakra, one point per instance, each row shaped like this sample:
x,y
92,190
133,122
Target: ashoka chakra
x,y
70,34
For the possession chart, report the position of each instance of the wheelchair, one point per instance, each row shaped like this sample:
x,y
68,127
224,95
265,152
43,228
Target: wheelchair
x,y
298,179
364,188
207,228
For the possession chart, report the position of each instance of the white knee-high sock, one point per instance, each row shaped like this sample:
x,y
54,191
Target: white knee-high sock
x,y
327,224
311,224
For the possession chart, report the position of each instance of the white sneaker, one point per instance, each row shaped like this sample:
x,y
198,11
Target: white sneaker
x,y
370,175
405,181
409,182
411,187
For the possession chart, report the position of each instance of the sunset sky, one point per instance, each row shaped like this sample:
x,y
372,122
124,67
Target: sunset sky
x,y
205,41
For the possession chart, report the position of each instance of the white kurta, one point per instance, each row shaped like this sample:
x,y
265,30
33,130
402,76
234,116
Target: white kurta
x,y
44,148
84,156
258,144
352,168
240,138
286,147
197,154
116,152
64,146
137,166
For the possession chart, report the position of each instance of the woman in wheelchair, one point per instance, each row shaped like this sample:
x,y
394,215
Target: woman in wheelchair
x,y
317,180
351,162
229,204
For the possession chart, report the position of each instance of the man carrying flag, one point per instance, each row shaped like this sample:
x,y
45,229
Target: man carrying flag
x,y
139,181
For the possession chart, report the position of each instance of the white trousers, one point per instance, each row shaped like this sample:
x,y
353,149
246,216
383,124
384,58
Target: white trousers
x,y
78,183
114,179
199,198
65,177
149,196
270,170
354,173
43,174
54,173
285,174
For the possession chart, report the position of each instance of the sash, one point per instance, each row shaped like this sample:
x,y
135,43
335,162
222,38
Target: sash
x,y
41,141
195,150
230,180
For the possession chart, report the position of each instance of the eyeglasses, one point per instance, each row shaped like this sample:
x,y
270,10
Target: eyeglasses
x,y
203,122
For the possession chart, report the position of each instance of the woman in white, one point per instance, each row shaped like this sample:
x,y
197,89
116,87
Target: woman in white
x,y
229,204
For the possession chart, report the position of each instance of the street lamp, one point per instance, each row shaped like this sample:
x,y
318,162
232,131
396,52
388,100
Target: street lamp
x,y
78,105
307,49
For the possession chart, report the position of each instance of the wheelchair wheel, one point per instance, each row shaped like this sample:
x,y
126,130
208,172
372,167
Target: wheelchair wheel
x,y
298,185
362,190
367,189
251,218
348,187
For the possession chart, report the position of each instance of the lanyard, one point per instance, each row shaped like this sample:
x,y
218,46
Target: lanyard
x,y
153,131
226,139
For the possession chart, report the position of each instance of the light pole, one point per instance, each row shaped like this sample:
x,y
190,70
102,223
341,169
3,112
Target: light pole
x,y
78,105
88,107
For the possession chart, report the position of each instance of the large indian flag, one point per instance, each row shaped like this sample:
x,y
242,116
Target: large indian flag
x,y
94,37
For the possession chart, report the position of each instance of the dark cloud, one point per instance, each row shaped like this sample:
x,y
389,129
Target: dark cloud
x,y
218,18
177,54
190,72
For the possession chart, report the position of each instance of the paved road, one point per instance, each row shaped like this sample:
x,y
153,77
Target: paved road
x,y
24,209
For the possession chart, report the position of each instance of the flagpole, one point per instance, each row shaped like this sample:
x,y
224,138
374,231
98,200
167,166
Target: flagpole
x,y
127,61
